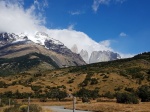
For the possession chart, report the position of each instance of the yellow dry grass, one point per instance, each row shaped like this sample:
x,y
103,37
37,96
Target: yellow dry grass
x,y
59,78
52,103
98,106
43,109
47,110
112,107
14,88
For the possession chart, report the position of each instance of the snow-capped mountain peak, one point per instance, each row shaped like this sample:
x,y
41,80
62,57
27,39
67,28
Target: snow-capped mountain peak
x,y
45,40
38,38
41,37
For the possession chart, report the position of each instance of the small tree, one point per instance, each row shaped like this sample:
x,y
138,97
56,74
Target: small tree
x,y
85,93
127,98
62,95
57,94
93,81
144,93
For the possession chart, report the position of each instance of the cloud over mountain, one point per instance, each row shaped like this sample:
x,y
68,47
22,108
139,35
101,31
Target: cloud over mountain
x,y
14,18
83,41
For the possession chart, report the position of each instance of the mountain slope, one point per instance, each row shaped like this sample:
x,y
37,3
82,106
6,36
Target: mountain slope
x,y
106,77
14,46
25,63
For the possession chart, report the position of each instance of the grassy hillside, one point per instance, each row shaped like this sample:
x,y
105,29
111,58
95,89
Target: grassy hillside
x,y
24,63
107,78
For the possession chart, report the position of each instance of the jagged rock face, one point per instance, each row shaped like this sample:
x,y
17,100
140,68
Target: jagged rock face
x,y
84,55
12,45
74,49
55,47
7,38
99,56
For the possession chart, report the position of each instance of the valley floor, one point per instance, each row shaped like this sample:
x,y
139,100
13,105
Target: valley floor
x,y
93,106
114,107
102,106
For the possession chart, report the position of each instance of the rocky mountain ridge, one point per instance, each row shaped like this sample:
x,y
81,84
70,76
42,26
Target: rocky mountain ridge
x,y
15,46
43,39
96,56
100,56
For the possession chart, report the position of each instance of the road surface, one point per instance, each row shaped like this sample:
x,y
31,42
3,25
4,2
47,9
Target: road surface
x,y
61,109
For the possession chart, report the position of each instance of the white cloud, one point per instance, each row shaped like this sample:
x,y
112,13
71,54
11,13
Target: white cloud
x,y
83,41
106,43
97,3
126,55
37,3
41,5
45,3
71,27
75,12
122,34
120,1
15,19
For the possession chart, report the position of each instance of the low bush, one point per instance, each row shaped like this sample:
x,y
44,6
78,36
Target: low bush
x,y
85,100
23,108
94,81
127,98
109,95
70,81
85,93
129,89
144,93
7,101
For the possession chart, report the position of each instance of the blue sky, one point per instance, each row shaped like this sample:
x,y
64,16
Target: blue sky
x,y
131,17
125,24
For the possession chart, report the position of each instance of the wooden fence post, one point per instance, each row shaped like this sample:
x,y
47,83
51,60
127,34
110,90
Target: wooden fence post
x,y
0,101
9,102
28,104
74,102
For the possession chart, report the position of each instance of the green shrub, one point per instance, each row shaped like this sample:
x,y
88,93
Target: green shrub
x,y
94,81
85,93
109,95
129,89
36,88
118,88
70,81
127,98
57,94
105,76
144,93
23,108
3,84
70,89
43,100
5,101
148,77
85,99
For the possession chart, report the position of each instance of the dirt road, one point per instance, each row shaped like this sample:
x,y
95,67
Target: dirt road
x,y
61,109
